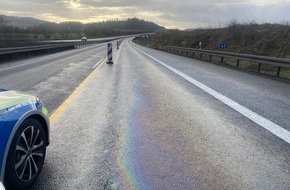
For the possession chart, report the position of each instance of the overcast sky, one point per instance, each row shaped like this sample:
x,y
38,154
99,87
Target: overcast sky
x,y
179,14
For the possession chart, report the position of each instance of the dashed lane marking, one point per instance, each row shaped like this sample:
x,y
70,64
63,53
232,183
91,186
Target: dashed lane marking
x,y
53,118
96,65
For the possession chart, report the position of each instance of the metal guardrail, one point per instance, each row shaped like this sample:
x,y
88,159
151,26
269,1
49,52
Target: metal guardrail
x,y
14,50
279,62
54,44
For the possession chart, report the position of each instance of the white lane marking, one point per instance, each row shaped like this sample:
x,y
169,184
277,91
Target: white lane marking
x,y
24,63
98,63
118,53
258,119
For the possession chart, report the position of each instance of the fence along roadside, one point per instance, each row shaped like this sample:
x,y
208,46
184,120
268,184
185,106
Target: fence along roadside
x,y
259,60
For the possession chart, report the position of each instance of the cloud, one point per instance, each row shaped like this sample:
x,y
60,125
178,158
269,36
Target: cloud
x,y
168,13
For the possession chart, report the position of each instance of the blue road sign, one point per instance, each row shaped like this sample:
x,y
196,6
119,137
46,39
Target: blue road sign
x,y
223,46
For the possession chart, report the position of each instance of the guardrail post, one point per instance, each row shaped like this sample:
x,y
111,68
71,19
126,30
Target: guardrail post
x,y
210,58
278,71
259,67
200,56
238,63
222,59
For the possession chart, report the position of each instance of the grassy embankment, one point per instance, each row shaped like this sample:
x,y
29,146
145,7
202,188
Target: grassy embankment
x,y
257,39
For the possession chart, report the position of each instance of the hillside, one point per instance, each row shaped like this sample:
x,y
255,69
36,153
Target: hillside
x,y
30,28
264,39
21,22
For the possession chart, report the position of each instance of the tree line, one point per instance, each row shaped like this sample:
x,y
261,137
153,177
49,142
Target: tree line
x,y
76,30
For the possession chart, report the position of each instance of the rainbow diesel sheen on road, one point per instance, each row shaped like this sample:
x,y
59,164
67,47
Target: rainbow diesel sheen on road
x,y
128,172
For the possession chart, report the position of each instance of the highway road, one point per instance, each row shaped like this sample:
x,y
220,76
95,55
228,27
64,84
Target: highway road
x,y
153,120
52,77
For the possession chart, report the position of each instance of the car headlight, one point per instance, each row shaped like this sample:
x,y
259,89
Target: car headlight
x,y
41,103
2,186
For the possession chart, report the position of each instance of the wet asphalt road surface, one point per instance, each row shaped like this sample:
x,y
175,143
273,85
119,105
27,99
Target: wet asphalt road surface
x,y
138,125
52,77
